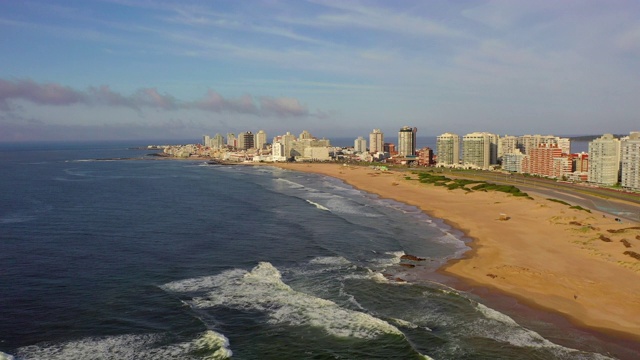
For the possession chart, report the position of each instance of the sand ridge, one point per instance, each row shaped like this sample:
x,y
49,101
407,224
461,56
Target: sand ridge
x,y
566,260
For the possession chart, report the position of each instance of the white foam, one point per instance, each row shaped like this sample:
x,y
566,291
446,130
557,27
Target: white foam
x,y
330,260
317,205
291,184
209,345
514,334
263,290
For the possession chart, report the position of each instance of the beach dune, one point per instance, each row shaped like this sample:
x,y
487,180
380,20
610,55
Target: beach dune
x,y
559,259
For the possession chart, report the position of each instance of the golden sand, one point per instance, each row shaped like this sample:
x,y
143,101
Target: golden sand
x,y
559,259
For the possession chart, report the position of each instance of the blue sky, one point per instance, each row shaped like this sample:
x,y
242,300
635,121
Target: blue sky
x,y
140,69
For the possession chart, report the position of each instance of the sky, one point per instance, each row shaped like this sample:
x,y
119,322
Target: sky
x,y
165,69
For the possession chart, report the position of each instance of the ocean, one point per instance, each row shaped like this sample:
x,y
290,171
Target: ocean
x,y
107,253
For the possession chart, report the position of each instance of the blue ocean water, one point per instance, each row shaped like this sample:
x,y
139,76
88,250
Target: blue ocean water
x,y
106,253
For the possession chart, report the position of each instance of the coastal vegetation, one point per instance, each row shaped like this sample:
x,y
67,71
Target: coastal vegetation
x,y
466,184
576,207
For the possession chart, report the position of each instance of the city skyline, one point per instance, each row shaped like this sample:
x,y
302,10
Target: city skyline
x,y
128,69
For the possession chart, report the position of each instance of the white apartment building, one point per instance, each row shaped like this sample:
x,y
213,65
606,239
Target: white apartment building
x,y
260,140
231,140
604,160
448,149
479,150
278,153
630,161
528,142
513,161
376,141
360,145
507,145
217,142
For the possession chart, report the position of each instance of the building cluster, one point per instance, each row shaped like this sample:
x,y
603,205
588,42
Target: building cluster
x,y
610,160
248,146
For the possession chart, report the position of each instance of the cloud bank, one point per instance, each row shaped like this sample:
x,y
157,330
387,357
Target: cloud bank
x,y
53,94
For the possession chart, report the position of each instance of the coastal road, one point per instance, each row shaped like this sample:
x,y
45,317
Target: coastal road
x,y
623,205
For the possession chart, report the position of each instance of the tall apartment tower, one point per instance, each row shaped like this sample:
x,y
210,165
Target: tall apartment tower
x,y
507,145
407,141
217,142
604,160
288,139
260,139
232,141
448,149
630,161
360,144
376,141
546,160
205,140
245,140
477,150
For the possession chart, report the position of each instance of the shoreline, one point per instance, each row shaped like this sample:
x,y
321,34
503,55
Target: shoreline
x,y
561,268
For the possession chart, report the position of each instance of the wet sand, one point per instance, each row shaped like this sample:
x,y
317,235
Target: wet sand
x,y
558,259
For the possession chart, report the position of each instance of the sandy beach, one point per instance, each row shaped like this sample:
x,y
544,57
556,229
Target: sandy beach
x,y
549,255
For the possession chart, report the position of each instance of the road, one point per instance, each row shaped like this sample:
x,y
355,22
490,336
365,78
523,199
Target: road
x,y
623,205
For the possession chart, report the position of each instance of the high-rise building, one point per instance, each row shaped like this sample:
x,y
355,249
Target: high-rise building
x,y
376,141
425,156
448,149
217,142
360,144
543,161
630,161
205,140
513,161
245,140
604,160
479,150
407,141
232,141
564,144
305,135
260,139
507,145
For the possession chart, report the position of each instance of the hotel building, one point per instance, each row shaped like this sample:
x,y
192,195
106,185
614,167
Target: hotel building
x,y
448,149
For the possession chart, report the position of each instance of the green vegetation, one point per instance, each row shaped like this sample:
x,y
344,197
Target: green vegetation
x,y
560,201
452,184
577,207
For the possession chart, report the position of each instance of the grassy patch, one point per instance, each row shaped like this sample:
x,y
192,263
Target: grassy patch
x,y
452,184
560,201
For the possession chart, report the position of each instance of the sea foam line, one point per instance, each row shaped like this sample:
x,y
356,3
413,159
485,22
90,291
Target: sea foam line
x,y
208,345
317,205
262,289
